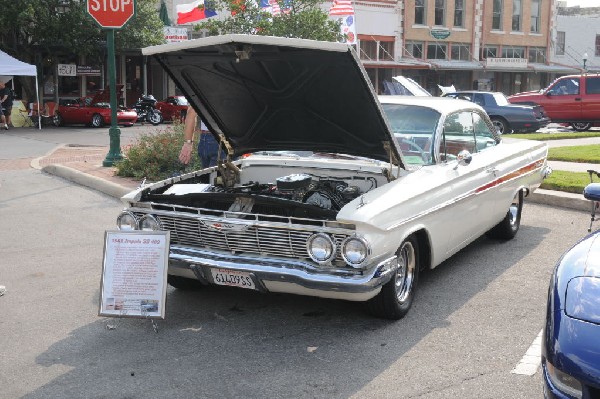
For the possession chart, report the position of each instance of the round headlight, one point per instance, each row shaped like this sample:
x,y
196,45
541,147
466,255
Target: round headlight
x,y
321,248
126,221
354,250
149,223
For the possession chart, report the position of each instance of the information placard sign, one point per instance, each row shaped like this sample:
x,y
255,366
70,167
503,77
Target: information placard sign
x,y
134,274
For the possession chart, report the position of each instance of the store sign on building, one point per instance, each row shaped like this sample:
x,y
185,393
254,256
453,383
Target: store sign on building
x,y
440,33
173,34
88,70
506,63
67,70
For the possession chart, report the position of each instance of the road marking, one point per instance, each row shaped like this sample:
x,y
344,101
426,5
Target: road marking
x,y
532,358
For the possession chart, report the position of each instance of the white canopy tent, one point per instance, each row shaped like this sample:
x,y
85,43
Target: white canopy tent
x,y
10,67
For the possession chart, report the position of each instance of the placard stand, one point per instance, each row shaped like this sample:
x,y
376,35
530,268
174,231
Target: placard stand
x,y
134,274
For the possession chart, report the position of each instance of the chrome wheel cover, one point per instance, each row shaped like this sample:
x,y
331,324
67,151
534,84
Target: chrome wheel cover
x,y
96,120
405,273
498,125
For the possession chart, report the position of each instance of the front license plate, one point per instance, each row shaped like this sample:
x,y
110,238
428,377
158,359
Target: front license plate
x,y
233,278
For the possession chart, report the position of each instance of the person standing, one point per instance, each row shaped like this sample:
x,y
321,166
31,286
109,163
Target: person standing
x,y
208,147
6,98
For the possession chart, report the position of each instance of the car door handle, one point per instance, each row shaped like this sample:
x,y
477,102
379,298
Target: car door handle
x,y
578,99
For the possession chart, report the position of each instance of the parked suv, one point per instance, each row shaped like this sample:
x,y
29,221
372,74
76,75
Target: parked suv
x,y
573,99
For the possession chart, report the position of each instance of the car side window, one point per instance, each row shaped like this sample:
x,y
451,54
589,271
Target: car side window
x,y
458,135
484,138
479,99
564,87
592,85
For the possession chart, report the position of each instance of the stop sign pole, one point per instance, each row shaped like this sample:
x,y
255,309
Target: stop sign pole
x,y
112,15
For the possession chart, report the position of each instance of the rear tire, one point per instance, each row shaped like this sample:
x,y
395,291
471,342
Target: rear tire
x,y
509,226
154,117
501,125
57,120
182,283
396,296
581,126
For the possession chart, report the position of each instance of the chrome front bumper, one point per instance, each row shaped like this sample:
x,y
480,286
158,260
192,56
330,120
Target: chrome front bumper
x,y
284,275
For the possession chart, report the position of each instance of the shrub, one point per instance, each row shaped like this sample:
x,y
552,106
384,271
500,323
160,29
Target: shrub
x,y
155,156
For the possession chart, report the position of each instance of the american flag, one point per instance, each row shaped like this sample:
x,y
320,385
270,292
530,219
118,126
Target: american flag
x,y
341,7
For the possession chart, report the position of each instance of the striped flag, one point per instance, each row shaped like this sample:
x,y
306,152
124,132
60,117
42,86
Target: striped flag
x,y
341,7
194,11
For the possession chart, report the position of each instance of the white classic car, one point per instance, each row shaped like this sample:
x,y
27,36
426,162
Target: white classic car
x,y
326,190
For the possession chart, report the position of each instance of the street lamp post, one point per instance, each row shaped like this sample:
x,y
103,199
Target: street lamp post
x,y
585,58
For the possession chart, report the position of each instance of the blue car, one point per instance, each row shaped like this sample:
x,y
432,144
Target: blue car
x,y
571,343
507,117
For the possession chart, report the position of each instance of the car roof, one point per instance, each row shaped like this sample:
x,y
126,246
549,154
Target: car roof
x,y
443,105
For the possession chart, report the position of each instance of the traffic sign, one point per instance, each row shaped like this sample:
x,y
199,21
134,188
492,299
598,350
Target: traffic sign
x,y
112,14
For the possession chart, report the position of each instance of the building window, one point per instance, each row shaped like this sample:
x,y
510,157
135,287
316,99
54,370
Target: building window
x,y
420,12
386,51
440,9
535,16
513,52
489,52
497,15
516,15
368,50
437,51
414,49
460,52
537,54
459,13
597,45
560,43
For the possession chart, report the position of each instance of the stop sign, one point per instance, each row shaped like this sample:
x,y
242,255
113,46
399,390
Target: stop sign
x,y
112,14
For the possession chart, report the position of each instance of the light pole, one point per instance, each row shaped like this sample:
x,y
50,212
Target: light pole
x,y
585,58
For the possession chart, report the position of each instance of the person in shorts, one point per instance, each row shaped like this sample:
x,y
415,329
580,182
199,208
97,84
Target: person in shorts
x,y
6,101
208,147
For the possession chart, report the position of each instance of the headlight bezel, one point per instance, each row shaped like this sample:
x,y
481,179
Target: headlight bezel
x,y
127,214
350,259
310,248
153,219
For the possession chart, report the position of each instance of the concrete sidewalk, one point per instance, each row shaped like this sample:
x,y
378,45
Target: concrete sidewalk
x,y
83,165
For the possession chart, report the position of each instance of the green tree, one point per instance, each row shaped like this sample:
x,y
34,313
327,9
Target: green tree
x,y
39,32
299,19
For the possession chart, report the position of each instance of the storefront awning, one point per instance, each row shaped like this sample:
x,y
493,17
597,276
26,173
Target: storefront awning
x,y
553,68
404,63
456,65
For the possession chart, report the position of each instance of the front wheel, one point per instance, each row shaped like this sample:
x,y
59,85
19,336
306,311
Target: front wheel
x,y
396,296
501,125
57,120
508,227
155,117
97,120
581,126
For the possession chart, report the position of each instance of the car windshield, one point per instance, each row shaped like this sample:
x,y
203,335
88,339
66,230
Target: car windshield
x,y
414,128
500,99
181,101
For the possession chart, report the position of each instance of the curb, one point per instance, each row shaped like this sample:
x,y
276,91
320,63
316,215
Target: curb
x,y
560,199
109,188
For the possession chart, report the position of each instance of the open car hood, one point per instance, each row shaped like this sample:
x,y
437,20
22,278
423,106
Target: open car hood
x,y
272,94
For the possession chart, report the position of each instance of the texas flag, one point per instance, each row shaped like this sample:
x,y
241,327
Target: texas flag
x,y
194,11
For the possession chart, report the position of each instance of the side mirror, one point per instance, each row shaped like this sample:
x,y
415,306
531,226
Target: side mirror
x,y
464,158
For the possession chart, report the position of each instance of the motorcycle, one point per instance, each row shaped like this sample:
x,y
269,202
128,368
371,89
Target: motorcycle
x,y
146,110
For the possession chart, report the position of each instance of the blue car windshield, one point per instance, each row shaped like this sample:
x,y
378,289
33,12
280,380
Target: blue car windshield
x,y
414,128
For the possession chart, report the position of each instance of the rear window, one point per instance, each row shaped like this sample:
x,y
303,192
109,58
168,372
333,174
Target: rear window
x,y
592,85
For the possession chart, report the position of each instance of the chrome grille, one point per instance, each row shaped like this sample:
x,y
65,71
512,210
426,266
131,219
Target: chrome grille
x,y
257,239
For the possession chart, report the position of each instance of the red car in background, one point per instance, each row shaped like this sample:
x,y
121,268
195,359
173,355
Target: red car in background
x,y
94,111
173,107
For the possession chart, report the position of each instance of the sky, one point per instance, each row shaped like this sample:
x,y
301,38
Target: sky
x,y
583,3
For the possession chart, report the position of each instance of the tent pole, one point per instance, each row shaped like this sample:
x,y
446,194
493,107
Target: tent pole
x,y
37,97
